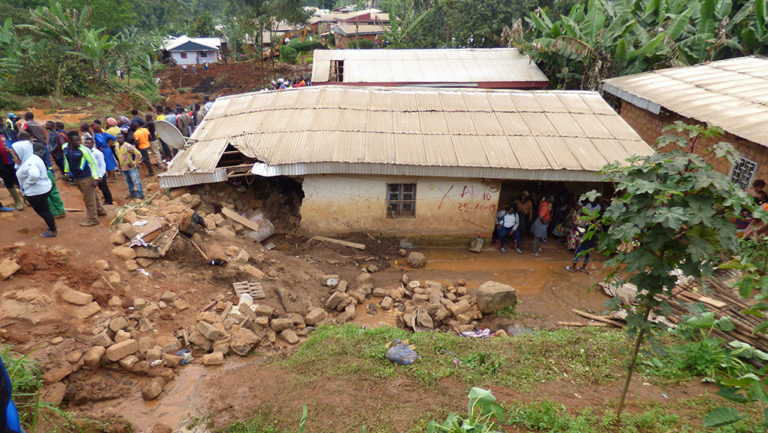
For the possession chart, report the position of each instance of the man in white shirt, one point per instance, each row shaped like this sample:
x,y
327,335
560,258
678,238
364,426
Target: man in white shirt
x,y
102,167
508,223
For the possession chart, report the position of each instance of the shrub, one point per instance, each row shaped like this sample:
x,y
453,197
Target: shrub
x,y
361,43
288,54
306,46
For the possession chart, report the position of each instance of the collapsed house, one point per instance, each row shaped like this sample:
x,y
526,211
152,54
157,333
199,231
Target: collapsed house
x,y
493,68
405,161
731,94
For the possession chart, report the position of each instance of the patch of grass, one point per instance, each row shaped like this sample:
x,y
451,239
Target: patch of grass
x,y
262,422
551,417
578,355
509,312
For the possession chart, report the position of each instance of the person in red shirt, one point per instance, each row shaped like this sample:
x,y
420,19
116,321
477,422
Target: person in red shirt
x,y
541,225
141,137
8,174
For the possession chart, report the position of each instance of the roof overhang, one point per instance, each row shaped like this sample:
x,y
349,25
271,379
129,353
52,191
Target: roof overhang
x,y
632,99
331,168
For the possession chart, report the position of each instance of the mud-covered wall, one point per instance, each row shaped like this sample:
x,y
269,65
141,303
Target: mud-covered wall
x,y
349,203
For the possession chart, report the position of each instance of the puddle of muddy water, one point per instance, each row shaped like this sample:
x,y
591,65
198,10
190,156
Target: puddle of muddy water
x,y
179,402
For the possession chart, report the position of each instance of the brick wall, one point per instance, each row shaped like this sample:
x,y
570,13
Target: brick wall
x,y
650,127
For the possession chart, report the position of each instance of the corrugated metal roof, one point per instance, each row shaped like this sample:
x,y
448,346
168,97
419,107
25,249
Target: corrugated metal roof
x,y
173,43
732,94
359,29
476,65
482,133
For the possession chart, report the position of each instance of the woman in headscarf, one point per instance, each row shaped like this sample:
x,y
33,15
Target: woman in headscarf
x,y
103,141
35,184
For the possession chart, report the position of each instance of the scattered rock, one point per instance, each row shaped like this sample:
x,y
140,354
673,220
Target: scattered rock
x,y
459,307
289,336
101,339
56,374
476,246
93,356
127,230
154,354
117,238
76,298
215,358
253,271
364,278
8,267
334,301
144,262
74,357
53,393
171,361
280,324
200,341
215,251
131,265
168,296
128,362
87,311
117,324
492,296
242,341
417,260
102,264
315,316
121,336
120,350
57,340
124,253
152,388
242,257
139,304
161,428
115,301
211,332
386,303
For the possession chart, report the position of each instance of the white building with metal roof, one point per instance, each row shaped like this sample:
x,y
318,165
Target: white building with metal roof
x,y
495,68
405,160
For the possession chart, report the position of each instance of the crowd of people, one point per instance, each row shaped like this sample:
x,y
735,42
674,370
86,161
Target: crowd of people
x,y
540,215
88,157
287,83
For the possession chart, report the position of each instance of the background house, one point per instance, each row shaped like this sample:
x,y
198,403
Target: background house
x,y
322,23
731,94
502,68
407,161
191,51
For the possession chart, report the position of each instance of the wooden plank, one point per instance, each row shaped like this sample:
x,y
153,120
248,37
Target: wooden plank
x,y
339,242
598,318
583,324
166,240
234,216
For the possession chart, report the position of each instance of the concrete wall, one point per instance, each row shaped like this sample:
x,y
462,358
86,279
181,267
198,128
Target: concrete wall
x,y
650,127
193,57
343,41
348,203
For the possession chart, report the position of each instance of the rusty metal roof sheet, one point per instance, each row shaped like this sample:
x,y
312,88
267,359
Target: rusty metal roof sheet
x,y
453,67
556,135
732,94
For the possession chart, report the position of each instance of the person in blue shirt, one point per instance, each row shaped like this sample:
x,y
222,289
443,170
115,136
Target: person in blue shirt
x,y
103,141
9,416
11,131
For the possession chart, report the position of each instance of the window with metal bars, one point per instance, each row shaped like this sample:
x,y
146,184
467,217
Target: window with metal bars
x,y
401,200
742,172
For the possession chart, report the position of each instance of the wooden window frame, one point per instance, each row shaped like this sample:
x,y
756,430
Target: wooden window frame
x,y
337,71
401,200
183,55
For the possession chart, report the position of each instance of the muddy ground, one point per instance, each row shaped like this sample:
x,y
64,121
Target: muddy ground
x,y
34,318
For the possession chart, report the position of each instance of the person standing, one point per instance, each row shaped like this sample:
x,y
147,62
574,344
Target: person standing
x,y
35,129
11,131
541,225
98,156
585,248
141,139
154,143
508,223
129,158
81,167
184,122
55,204
8,175
137,120
524,211
35,184
103,144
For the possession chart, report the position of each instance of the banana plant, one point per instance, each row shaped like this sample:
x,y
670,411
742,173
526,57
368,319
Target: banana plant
x,y
67,26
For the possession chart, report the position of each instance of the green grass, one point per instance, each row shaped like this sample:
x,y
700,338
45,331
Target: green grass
x,y
582,356
262,422
551,417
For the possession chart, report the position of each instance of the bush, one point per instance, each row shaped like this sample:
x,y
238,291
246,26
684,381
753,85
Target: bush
x,y
361,43
288,54
306,46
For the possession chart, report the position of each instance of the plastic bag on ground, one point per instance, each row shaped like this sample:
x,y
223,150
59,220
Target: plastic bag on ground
x,y
401,353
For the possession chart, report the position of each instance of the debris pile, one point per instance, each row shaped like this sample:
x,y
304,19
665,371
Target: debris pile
x,y
421,306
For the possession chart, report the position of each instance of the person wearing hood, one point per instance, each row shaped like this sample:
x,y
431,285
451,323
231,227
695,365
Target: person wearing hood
x,y
34,182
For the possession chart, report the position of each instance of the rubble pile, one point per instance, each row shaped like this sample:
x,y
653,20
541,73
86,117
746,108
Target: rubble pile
x,y
420,306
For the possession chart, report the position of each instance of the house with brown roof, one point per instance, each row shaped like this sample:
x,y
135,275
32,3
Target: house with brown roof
x,y
731,94
426,162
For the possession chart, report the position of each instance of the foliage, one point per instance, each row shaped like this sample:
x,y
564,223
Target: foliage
x,y
307,46
203,25
600,39
482,408
672,208
576,355
288,54
361,44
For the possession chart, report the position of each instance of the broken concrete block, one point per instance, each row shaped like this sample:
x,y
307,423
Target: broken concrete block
x,y
101,339
124,253
476,246
128,362
120,350
242,341
117,324
93,356
8,267
76,298
121,336
280,324
289,335
200,341
127,230
215,358
152,388
492,296
139,304
315,316
459,307
335,299
117,238
87,311
212,332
